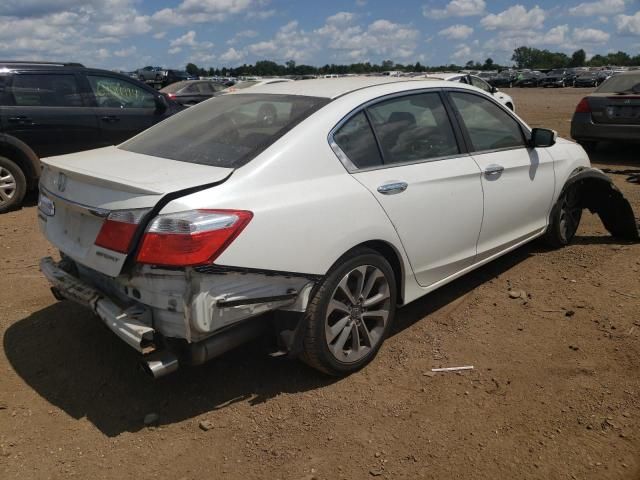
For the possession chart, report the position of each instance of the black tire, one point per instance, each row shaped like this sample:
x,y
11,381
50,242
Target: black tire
x,y
16,193
564,219
316,352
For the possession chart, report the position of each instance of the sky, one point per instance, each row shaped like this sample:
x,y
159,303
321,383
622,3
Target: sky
x,y
128,34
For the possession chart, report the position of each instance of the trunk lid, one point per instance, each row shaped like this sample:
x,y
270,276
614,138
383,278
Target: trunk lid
x,y
615,109
85,187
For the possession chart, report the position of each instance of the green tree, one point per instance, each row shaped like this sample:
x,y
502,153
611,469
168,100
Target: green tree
x,y
578,59
192,69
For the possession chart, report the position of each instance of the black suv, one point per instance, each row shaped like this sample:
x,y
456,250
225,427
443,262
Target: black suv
x,y
51,109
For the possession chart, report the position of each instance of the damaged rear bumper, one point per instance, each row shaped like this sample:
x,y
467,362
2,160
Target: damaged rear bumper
x,y
131,323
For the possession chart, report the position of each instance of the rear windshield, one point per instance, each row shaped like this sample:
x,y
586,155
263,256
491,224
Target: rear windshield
x,y
227,131
620,83
174,87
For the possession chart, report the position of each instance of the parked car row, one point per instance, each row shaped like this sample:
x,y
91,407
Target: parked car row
x,y
559,77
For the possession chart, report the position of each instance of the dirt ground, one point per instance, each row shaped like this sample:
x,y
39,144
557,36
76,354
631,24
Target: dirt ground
x,y
555,392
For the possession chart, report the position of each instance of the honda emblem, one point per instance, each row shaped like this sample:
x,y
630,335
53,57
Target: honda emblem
x,y
62,182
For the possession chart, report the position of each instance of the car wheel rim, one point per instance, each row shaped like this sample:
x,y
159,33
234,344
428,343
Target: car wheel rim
x,y
357,314
7,186
570,215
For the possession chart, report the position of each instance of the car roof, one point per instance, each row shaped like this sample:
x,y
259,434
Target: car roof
x,y
333,87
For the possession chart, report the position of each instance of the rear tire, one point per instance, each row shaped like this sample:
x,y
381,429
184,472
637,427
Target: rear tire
x,y
13,185
350,313
564,219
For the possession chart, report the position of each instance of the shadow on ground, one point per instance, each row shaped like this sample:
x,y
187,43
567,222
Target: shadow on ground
x,y
614,155
70,359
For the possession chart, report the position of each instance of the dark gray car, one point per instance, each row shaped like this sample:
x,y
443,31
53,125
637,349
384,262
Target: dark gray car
x,y
190,92
611,112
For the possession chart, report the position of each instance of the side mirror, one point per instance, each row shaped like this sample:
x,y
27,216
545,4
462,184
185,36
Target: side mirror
x,y
543,137
494,90
161,103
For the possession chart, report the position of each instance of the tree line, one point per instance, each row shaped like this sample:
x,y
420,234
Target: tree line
x,y
523,57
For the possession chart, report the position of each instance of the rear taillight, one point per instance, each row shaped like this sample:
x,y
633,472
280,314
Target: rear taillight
x,y
119,228
583,106
191,238
172,96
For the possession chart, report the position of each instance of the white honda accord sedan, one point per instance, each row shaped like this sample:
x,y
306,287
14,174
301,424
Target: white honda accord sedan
x,y
307,211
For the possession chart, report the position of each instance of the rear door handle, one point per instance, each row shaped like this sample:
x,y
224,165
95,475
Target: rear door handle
x,y
392,188
110,119
21,119
493,170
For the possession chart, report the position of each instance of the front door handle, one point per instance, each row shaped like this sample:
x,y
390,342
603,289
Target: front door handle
x,y
493,170
110,119
392,188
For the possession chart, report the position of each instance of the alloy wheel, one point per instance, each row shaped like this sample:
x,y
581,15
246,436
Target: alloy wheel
x,y
570,215
7,186
357,314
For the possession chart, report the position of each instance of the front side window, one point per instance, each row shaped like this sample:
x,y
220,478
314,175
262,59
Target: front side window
x,y
412,128
489,126
356,140
478,82
227,131
41,90
113,92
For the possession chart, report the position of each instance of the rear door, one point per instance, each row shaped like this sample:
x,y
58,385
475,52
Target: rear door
x,y
122,108
412,163
48,112
518,182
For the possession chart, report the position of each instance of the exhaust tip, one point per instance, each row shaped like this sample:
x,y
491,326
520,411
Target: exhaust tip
x,y
159,364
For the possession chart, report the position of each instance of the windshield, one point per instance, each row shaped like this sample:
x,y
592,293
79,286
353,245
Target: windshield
x,y
620,83
227,131
556,72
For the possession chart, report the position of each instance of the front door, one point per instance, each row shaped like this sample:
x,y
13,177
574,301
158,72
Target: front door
x,y
414,167
518,181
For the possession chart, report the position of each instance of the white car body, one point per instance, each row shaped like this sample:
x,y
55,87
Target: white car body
x,y
480,83
309,206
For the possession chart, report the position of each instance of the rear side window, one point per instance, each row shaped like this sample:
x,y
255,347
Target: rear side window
x,y
356,140
413,128
489,127
227,131
113,92
41,90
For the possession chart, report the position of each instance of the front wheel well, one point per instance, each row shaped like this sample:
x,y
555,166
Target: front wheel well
x,y
22,161
599,195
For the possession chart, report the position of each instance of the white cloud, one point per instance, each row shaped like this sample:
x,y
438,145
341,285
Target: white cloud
x,y
200,50
125,52
515,18
232,56
462,52
590,35
628,24
456,8
600,7
456,32
189,12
